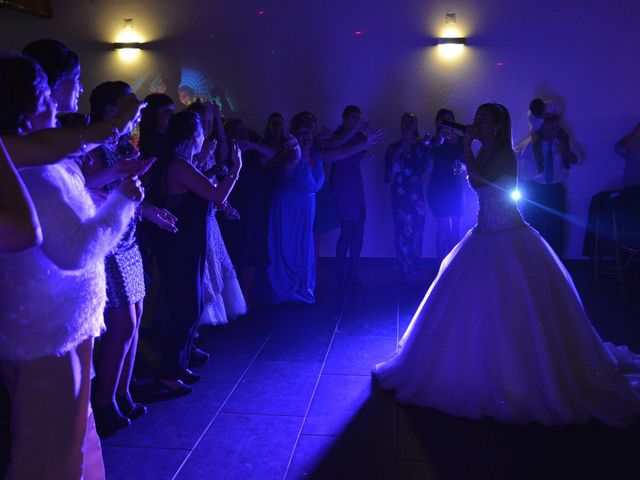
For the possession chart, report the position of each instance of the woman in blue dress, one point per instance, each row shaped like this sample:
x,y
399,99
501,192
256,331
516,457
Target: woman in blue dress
x,y
291,276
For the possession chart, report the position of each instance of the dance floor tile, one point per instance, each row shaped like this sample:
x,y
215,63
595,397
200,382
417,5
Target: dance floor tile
x,y
356,355
222,369
275,388
349,405
141,463
343,458
297,347
243,447
175,423
371,325
353,430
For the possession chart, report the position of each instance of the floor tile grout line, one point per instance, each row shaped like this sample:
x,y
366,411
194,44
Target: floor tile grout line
x,y
315,387
226,400
171,449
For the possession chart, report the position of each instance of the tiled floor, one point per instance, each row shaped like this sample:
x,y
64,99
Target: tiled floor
x,y
288,395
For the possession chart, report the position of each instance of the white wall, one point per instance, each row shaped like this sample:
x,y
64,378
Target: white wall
x,y
303,54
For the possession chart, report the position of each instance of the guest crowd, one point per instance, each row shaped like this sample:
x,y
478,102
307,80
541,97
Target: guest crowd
x,y
206,213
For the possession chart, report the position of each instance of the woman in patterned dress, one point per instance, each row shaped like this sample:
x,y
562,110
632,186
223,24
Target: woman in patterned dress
x,y
112,402
405,163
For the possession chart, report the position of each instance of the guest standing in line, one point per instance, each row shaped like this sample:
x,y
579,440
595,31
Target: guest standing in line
x,y
445,192
112,403
347,188
52,296
405,163
544,171
291,275
182,189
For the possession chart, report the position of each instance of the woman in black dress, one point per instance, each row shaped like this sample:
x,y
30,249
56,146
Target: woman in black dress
x,y
182,189
445,193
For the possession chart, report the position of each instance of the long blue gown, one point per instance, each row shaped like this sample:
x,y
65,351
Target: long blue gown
x,y
291,276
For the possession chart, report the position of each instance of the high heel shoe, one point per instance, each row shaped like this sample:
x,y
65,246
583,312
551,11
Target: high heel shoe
x,y
109,419
176,386
129,408
189,377
198,357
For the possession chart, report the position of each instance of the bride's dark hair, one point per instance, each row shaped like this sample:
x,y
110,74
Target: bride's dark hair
x,y
500,116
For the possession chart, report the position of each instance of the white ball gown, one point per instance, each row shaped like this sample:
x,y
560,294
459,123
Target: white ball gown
x,y
502,332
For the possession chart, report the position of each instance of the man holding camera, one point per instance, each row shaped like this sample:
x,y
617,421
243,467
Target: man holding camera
x,y
544,165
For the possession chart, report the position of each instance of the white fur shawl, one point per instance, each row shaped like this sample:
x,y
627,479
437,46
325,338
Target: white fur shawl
x,y
52,297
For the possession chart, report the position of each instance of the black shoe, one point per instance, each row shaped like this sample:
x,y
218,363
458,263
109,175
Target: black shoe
x,y
176,386
198,357
129,408
109,420
189,377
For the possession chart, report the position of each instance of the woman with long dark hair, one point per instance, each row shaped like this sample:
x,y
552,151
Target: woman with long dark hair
x,y
181,188
502,331
445,192
155,118
223,298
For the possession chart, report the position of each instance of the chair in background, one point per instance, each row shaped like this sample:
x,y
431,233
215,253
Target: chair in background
x,y
626,237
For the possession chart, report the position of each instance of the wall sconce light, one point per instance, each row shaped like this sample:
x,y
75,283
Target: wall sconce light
x,y
451,41
119,45
128,42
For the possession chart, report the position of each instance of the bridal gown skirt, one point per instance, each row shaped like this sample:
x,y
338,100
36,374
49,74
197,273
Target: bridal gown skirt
x,y
502,332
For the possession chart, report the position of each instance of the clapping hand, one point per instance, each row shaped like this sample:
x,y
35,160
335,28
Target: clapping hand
x,y
129,110
132,189
132,168
376,136
236,155
162,218
215,110
230,213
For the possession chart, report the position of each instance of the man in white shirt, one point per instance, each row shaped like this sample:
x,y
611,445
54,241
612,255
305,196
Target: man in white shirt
x,y
543,170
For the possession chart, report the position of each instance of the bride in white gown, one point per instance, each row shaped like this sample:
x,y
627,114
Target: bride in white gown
x,y
502,331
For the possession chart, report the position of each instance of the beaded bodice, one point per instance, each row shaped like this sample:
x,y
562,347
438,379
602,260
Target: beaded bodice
x,y
497,210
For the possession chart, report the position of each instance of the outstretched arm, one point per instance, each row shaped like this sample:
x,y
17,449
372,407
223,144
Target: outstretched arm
x,y
19,224
266,152
193,180
336,154
53,144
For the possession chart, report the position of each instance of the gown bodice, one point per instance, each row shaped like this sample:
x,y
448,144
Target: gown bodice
x,y
497,210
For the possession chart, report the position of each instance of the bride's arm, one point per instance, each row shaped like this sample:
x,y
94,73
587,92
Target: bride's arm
x,y
470,159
